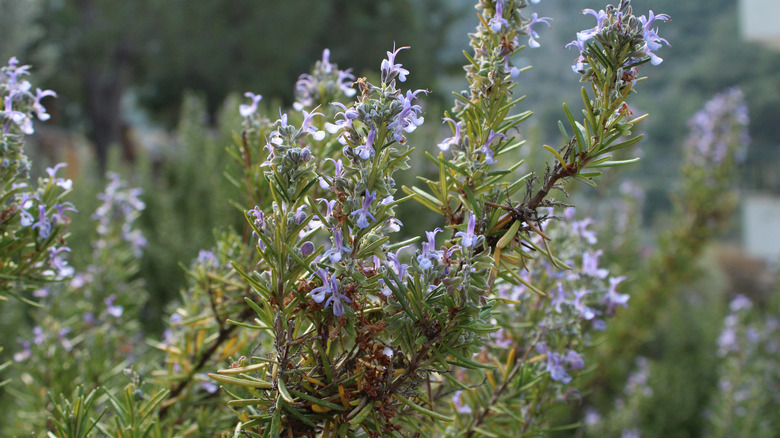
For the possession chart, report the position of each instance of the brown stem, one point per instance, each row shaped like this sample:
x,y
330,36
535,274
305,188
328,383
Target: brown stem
x,y
519,362
224,335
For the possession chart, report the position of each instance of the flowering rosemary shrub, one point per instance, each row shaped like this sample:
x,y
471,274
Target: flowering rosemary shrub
x,y
33,219
88,325
316,321
359,332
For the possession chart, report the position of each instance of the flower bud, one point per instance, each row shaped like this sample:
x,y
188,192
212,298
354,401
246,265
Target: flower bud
x,y
307,248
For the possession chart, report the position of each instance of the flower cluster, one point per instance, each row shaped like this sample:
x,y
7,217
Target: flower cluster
x,y
618,29
325,83
33,218
20,105
121,207
719,131
749,380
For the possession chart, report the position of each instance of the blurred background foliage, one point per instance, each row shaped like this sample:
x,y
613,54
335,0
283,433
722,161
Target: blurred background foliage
x,y
150,89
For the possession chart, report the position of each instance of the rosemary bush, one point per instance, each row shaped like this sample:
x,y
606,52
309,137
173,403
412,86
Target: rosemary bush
x,y
316,321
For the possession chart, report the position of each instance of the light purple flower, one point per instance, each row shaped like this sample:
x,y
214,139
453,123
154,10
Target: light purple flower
x,y
366,151
398,267
43,225
590,264
114,310
337,300
319,293
650,35
208,385
613,298
452,141
58,263
307,128
558,298
498,21
409,118
428,250
363,213
575,360
390,69
40,110
247,110
468,238
533,35
459,406
580,229
556,369
59,218
584,311
486,147
334,254
329,287
347,116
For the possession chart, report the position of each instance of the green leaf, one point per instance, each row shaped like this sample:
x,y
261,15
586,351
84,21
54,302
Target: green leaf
x,y
423,198
616,163
465,362
581,146
557,155
316,401
422,410
254,383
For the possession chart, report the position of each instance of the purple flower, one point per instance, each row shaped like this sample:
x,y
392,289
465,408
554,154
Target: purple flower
x,y
336,299
580,229
58,263
390,69
23,355
329,287
533,35
558,298
590,264
468,239
739,303
584,311
18,117
459,406
363,213
367,150
43,225
347,116
428,250
486,147
398,267
498,21
409,118
52,172
613,298
247,110
384,288
113,310
306,127
452,141
207,385
556,369
334,254
650,35
40,110
207,258
259,217
59,217
26,218
575,360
